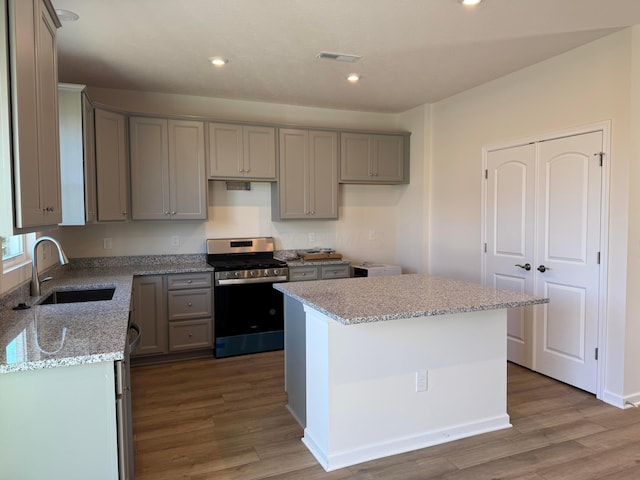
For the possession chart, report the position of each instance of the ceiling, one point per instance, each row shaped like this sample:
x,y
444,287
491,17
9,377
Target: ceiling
x,y
413,51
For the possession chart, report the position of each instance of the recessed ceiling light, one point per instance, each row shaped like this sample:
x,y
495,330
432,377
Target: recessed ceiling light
x,y
470,3
218,61
353,77
67,15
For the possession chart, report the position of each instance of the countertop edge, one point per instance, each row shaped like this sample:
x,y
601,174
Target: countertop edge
x,y
62,362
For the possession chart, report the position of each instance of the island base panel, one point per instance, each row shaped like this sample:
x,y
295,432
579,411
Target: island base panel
x,y
361,385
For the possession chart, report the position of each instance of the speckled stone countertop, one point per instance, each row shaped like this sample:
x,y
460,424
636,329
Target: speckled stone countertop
x,y
290,256
46,336
375,299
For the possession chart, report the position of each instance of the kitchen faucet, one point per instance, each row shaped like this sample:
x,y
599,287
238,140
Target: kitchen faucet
x,y
35,281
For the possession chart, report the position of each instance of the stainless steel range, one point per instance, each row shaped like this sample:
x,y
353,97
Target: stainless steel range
x,y
248,311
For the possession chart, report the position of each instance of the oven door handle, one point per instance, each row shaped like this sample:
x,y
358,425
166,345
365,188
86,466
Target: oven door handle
x,y
246,281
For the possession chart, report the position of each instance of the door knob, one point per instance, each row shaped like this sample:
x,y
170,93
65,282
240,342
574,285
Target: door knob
x,y
543,269
526,266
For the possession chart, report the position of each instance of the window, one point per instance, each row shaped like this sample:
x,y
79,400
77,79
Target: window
x,y
13,251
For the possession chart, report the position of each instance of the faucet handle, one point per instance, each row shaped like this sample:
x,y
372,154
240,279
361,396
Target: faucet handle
x,y
45,279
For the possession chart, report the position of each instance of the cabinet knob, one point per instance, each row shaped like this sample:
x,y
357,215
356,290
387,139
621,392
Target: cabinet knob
x,y
189,281
189,304
190,335
166,213
124,213
173,213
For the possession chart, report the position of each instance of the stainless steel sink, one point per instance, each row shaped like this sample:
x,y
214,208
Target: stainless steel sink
x,y
75,296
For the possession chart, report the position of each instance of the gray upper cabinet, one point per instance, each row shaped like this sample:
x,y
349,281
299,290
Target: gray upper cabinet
x,y
33,74
374,158
242,152
308,185
167,169
77,155
112,178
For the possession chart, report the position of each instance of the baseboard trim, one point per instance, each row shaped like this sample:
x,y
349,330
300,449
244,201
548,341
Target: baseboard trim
x,y
366,453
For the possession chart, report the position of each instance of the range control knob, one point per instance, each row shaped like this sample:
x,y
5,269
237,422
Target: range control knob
x,y
276,272
252,273
236,274
266,272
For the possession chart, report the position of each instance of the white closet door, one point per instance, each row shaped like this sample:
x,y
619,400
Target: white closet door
x,y
510,239
567,258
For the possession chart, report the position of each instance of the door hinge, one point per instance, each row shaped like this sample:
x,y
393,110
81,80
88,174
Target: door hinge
x,y
486,174
596,353
598,258
601,155
485,248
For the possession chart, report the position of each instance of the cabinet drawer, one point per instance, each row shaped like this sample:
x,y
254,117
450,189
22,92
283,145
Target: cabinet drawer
x,y
185,304
190,335
191,280
300,274
334,271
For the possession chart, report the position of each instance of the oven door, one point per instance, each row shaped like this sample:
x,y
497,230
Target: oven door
x,y
249,318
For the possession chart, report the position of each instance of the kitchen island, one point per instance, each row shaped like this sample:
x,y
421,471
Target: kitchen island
x,y
383,365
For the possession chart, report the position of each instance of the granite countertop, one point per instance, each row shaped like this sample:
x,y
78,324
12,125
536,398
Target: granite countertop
x,y
293,260
46,336
374,299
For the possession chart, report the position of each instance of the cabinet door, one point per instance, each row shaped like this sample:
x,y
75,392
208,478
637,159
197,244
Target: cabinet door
x,y
188,182
149,169
225,151
149,311
388,158
323,175
112,191
356,151
293,185
259,146
47,128
34,83
368,158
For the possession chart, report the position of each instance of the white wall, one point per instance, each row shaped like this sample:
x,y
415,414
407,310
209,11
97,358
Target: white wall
x,y
589,84
632,332
384,211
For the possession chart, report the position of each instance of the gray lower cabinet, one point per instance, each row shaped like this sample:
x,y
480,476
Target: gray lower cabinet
x,y
149,312
308,182
190,312
174,313
318,272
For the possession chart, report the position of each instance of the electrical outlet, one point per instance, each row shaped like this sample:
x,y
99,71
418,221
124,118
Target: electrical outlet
x,y
107,244
421,381
312,237
372,234
175,241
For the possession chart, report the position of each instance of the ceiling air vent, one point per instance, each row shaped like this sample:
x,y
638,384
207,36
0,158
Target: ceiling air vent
x,y
339,57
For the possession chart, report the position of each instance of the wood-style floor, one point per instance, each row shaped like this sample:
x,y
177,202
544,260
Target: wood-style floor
x,y
226,419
